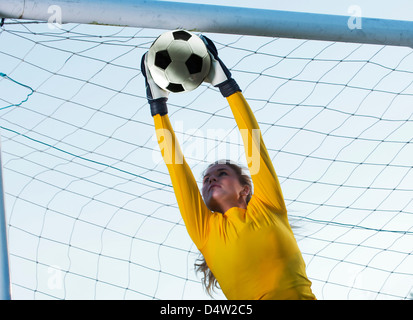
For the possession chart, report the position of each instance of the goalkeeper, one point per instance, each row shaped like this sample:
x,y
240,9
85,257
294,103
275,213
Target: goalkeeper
x,y
245,238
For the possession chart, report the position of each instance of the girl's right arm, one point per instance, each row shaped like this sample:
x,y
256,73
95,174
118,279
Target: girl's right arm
x,y
191,204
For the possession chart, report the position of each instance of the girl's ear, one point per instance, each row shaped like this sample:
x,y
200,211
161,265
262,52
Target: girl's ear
x,y
245,191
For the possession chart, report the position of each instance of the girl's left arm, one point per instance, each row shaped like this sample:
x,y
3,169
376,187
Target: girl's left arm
x,y
266,184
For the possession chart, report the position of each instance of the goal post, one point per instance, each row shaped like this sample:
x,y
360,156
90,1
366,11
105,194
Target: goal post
x,y
4,261
214,19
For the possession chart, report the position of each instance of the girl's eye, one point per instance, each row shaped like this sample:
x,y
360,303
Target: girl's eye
x,y
222,172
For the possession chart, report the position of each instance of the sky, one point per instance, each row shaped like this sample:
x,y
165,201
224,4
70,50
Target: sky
x,y
90,209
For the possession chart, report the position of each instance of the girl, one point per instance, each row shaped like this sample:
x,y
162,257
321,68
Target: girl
x,y
245,239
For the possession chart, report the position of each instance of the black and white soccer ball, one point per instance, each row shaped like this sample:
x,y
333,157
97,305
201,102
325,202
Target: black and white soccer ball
x,y
178,61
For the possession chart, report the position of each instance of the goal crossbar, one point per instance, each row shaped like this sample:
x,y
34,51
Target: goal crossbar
x,y
214,19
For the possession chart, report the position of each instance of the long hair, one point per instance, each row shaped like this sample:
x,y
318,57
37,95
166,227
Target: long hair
x,y
208,280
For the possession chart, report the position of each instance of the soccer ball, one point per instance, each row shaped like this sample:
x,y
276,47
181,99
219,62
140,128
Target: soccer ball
x,y
178,61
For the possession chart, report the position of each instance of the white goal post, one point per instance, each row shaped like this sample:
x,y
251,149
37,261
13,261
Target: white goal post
x,y
213,18
4,261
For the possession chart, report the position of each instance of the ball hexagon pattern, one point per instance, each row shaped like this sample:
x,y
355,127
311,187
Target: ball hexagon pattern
x,y
178,61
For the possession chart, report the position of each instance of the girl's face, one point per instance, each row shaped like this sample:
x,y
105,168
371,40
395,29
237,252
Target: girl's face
x,y
222,190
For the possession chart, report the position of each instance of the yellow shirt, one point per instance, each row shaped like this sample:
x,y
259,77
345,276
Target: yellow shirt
x,y
252,252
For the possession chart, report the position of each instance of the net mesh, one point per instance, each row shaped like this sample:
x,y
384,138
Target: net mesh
x,y
91,212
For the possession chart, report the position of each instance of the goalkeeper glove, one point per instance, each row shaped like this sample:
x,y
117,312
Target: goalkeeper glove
x,y
156,96
219,75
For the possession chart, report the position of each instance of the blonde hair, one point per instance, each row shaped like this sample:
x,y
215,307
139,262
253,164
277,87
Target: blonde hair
x,y
208,280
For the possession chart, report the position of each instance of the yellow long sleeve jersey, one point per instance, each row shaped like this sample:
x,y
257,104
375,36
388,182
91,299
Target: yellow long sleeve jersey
x,y
251,252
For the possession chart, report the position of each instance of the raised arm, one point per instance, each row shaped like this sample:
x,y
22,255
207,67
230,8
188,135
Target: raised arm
x,y
191,205
266,184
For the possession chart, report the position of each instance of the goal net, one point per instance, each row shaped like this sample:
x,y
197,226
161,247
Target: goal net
x,y
90,209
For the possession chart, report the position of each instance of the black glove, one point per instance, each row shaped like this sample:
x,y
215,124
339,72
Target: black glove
x,y
219,75
156,96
